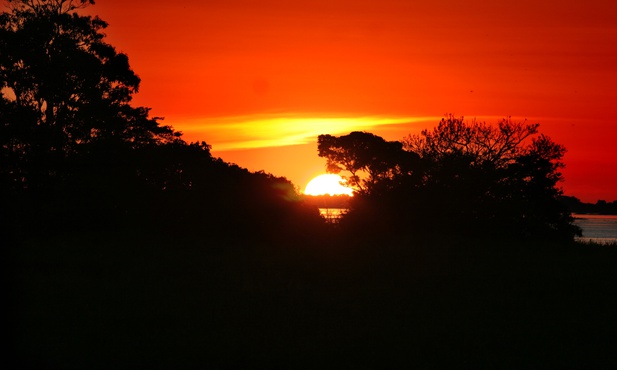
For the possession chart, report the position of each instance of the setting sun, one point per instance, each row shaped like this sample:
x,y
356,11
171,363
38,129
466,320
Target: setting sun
x,y
327,184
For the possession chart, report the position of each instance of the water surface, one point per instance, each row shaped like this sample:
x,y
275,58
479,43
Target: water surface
x,y
597,228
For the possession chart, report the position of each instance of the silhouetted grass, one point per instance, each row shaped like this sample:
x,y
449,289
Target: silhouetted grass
x,y
132,300
595,244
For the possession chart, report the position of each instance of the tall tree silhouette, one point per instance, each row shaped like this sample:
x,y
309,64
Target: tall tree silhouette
x,y
63,87
76,155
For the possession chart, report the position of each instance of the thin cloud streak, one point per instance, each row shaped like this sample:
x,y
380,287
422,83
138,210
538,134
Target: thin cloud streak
x,y
274,130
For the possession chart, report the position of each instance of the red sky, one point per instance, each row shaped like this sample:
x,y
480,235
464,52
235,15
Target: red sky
x,y
259,80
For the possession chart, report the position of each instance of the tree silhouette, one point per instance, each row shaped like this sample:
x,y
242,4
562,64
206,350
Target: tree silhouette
x,y
482,143
75,155
466,178
371,161
63,88
501,178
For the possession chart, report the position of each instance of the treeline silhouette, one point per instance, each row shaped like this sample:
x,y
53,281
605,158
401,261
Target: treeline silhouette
x,y
176,187
601,207
76,154
462,178
127,247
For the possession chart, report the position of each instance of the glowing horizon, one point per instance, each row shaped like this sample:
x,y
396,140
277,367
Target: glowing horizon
x,y
259,81
276,130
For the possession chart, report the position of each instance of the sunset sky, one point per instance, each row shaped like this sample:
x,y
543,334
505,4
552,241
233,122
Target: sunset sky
x,y
259,80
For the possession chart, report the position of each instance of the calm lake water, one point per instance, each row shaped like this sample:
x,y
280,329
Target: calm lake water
x,y
597,228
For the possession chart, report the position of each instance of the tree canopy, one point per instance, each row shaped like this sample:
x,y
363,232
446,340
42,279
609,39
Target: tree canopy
x,y
369,160
63,88
74,152
463,177
482,143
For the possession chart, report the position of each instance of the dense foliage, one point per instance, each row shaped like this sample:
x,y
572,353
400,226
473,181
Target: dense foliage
x,y
64,90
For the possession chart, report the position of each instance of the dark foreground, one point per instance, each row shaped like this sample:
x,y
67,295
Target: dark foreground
x,y
122,300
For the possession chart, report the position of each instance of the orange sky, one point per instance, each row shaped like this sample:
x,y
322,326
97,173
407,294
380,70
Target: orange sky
x,y
258,80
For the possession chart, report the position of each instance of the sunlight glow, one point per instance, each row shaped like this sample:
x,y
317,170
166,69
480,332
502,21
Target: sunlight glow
x,y
258,131
327,184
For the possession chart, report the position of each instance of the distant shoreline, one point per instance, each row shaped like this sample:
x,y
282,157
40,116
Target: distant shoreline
x,y
601,207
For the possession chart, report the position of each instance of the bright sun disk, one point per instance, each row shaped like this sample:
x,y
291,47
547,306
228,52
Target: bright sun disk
x,y
327,184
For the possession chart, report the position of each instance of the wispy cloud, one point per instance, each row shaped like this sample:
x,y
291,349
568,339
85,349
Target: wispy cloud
x,y
272,130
